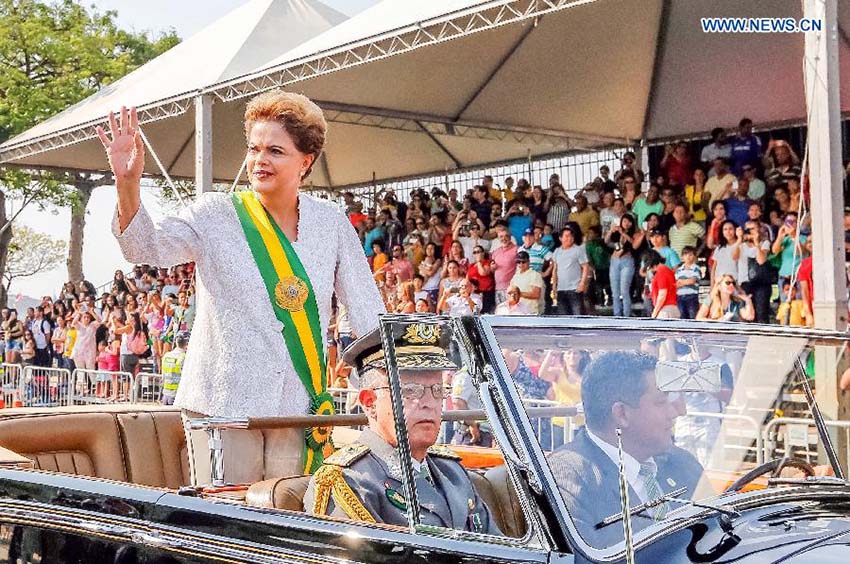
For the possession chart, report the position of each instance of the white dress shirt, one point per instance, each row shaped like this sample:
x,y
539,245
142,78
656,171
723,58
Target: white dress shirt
x,y
631,464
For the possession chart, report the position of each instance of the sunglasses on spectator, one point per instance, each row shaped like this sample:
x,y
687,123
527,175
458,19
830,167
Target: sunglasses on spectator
x,y
521,261
729,282
477,252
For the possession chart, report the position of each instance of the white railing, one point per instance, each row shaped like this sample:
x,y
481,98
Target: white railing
x,y
344,399
796,439
147,388
551,432
10,384
102,386
45,387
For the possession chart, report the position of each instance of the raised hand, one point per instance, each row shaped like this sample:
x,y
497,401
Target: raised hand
x,y
125,150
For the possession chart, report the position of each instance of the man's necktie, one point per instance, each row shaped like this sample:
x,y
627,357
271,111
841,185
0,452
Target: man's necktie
x,y
647,474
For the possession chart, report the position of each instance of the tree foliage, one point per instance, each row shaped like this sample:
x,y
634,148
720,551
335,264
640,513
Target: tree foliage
x,y
53,55
31,252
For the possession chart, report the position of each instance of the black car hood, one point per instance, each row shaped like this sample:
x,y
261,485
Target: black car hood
x,y
800,526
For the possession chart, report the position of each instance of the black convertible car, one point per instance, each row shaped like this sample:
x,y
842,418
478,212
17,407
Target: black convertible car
x,y
743,467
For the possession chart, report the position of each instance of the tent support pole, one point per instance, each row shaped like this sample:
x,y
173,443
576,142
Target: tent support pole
x,y
826,179
203,144
825,170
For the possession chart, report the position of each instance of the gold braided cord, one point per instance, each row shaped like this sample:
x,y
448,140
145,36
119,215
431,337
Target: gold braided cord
x,y
331,481
324,477
348,501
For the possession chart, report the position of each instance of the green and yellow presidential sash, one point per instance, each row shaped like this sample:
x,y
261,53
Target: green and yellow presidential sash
x,y
294,304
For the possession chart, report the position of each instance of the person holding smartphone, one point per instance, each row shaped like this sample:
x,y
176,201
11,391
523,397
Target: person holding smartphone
x,y
789,244
460,300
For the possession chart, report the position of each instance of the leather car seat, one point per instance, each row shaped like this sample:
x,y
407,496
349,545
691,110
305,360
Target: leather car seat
x,y
279,493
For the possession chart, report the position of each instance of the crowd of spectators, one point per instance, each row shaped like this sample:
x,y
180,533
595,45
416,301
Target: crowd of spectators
x,y
136,320
724,216
716,234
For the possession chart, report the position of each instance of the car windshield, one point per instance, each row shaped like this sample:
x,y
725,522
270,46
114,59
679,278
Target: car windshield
x,y
694,412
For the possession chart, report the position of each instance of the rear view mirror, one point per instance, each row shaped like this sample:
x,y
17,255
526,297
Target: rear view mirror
x,y
687,376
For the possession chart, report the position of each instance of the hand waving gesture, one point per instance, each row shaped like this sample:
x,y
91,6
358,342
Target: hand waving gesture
x,y
125,149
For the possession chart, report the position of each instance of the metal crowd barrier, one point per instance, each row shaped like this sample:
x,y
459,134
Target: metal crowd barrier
x,y
796,435
751,431
147,388
345,399
101,386
10,384
551,433
45,387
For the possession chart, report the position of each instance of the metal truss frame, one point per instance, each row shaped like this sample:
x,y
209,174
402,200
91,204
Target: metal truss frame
x,y
443,28
77,134
462,23
439,125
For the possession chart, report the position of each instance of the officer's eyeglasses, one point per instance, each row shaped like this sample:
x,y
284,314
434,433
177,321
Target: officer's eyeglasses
x,y
415,391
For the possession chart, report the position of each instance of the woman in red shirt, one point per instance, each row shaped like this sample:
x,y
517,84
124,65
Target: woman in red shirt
x,y
482,272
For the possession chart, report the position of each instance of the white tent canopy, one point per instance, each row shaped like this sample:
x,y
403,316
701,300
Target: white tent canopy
x,y
415,87
246,38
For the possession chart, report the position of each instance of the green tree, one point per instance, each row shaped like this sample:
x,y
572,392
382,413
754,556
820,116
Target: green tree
x,y
31,252
52,55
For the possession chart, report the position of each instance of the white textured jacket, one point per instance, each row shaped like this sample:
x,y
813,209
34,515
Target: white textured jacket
x,y
238,364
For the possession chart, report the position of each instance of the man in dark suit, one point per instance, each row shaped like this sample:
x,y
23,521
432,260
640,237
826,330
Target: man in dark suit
x,y
619,391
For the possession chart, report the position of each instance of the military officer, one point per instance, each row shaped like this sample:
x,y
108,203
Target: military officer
x,y
363,481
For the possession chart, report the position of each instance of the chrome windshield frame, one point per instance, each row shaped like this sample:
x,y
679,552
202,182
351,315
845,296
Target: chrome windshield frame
x,y
389,323
519,425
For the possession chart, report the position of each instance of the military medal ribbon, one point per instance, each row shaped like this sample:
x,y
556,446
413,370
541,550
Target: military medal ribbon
x,y
294,304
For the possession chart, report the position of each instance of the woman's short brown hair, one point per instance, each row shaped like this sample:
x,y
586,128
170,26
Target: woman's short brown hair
x,y
302,119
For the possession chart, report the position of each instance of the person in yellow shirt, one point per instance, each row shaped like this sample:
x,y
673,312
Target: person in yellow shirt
x,y
721,185
564,370
496,193
584,215
696,197
70,340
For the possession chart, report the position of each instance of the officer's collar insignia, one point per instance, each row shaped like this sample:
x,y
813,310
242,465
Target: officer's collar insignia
x,y
443,452
348,455
671,482
395,497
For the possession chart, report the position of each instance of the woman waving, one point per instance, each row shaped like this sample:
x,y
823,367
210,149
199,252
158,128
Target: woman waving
x,y
267,261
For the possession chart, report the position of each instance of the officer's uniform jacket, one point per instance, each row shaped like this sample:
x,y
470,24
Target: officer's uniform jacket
x,y
363,482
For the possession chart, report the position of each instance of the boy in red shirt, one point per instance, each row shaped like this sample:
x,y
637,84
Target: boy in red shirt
x,y
663,289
